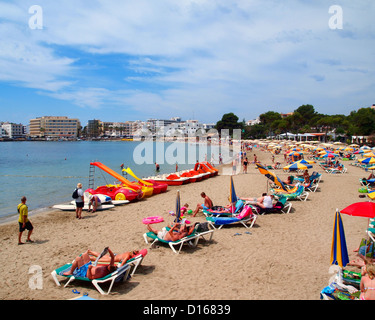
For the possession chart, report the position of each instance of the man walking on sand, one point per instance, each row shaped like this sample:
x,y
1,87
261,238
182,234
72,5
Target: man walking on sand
x,y
23,222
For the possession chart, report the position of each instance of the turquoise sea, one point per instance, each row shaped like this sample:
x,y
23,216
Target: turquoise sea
x,y
47,172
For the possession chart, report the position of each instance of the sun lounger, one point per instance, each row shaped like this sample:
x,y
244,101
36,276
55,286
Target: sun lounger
x,y
244,218
120,274
191,240
299,194
336,170
371,233
220,211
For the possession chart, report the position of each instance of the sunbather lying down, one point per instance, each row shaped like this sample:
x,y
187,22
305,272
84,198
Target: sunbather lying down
x,y
177,232
83,267
125,256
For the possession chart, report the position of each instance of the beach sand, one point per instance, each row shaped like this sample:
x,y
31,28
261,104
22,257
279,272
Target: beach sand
x,y
286,256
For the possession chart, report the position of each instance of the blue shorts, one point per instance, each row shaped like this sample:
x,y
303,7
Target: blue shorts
x,y
204,207
82,271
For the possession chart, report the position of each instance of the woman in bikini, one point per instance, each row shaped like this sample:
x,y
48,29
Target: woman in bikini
x,y
368,283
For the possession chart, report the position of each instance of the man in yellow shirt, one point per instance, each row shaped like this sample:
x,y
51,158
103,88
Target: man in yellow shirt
x,y
23,221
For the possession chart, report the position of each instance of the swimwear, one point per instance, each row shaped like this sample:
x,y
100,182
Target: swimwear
x,y
161,234
82,271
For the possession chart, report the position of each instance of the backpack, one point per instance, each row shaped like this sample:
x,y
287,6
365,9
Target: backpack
x,y
75,194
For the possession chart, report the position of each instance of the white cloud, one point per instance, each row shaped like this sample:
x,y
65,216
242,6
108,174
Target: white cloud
x,y
205,57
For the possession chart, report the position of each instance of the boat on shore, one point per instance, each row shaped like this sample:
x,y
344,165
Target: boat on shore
x,y
201,170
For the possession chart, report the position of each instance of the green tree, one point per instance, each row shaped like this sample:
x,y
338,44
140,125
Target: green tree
x,y
229,121
363,121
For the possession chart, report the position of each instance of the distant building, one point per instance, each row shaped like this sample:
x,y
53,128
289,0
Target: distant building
x,y
12,130
252,122
284,115
54,127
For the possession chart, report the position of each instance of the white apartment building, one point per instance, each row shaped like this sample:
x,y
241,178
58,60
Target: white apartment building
x,y
12,130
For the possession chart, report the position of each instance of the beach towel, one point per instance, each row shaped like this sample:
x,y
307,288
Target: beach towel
x,y
229,220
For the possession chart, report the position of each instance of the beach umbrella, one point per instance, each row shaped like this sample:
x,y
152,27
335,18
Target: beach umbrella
x,y
232,197
360,151
339,251
306,162
361,209
295,154
270,175
368,155
297,166
329,155
178,207
367,160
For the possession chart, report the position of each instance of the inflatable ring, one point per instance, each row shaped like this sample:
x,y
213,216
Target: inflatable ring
x,y
150,220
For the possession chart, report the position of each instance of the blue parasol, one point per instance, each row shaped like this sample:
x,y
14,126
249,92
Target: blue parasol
x,y
339,251
233,197
178,207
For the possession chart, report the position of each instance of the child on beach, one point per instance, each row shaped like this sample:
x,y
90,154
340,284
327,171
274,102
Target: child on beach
x,y
184,209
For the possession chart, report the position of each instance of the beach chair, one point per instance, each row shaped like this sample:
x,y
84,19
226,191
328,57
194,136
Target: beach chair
x,y
371,233
246,216
316,176
312,186
122,273
286,206
299,194
191,240
281,206
220,211
136,261
336,170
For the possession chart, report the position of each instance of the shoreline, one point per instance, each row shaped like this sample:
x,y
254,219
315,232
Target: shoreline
x,y
46,210
285,256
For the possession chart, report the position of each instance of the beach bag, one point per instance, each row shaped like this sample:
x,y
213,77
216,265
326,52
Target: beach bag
x,y
75,194
202,227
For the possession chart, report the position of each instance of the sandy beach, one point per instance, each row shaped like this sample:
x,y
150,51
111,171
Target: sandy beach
x,y
286,256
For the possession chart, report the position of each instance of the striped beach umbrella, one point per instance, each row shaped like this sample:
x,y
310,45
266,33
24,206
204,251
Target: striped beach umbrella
x,y
367,160
270,175
233,197
178,207
339,250
306,162
368,155
297,166
329,155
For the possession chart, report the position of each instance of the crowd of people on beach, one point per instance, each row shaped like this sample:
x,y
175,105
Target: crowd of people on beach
x,y
83,265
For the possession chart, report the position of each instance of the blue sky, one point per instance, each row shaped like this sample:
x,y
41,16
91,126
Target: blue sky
x,y
197,59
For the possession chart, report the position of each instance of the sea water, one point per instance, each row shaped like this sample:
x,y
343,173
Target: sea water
x,y
47,172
